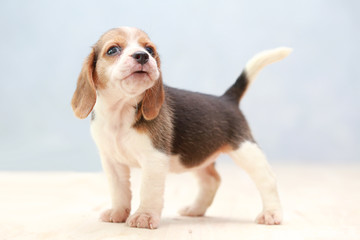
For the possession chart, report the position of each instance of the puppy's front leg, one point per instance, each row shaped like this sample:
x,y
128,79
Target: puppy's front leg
x,y
118,176
151,194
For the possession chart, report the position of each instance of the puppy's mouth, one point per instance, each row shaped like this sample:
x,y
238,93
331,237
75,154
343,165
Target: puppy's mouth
x,y
140,72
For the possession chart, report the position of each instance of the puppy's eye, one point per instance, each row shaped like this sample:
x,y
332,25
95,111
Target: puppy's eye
x,y
113,51
150,50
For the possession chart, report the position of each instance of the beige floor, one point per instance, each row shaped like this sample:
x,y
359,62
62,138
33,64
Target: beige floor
x,y
319,203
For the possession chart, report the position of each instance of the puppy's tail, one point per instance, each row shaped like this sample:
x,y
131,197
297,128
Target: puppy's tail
x,y
252,68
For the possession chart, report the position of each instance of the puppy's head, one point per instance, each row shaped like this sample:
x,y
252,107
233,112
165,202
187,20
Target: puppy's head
x,y
123,64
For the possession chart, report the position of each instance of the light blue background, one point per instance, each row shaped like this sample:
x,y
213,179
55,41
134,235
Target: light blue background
x,y
303,109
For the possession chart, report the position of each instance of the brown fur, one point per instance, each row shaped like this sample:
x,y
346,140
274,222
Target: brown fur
x,y
203,125
84,97
159,129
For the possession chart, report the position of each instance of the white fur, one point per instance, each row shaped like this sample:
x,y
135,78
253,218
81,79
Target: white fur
x,y
260,60
121,146
250,157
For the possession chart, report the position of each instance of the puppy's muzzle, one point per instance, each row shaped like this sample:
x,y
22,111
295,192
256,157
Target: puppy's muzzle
x,y
141,57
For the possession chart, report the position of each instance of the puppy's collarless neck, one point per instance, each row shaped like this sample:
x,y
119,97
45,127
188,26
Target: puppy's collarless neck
x,y
109,108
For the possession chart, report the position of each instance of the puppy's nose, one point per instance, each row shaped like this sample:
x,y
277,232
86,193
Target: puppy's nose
x,y
141,57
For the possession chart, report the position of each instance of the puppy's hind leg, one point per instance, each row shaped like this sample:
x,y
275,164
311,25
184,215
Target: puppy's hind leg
x,y
209,181
250,157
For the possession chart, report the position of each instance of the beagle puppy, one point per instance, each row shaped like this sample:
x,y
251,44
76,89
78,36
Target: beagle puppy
x,y
137,121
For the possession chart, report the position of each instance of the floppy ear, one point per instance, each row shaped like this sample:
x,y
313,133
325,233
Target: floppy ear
x,y
84,97
153,100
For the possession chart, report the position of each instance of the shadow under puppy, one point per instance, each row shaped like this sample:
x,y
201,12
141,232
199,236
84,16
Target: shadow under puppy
x,y
139,122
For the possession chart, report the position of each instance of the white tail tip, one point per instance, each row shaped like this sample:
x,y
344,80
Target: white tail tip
x,y
264,58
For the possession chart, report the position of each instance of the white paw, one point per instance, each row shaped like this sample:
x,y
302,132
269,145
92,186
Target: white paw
x,y
115,215
270,217
144,220
192,211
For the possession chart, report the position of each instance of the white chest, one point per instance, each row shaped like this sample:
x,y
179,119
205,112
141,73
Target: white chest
x,y
118,141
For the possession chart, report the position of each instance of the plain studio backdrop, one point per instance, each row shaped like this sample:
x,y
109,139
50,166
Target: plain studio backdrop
x,y
302,109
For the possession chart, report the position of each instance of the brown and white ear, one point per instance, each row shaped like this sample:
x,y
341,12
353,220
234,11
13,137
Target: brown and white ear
x,y
153,100
84,97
